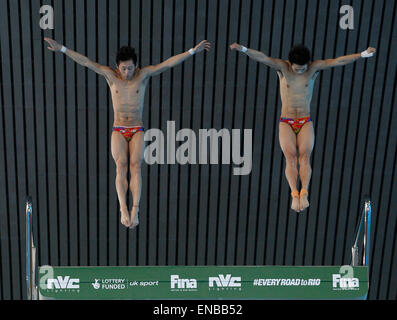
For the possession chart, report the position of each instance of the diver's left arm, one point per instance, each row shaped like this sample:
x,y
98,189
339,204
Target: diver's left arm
x,y
175,60
343,60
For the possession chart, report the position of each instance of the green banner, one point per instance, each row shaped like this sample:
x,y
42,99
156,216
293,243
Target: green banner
x,y
203,282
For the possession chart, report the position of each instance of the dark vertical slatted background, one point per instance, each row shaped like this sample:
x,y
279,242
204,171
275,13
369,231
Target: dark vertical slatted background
x,y
56,118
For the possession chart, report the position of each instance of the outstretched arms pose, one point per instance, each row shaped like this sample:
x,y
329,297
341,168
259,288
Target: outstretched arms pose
x,y
106,71
317,64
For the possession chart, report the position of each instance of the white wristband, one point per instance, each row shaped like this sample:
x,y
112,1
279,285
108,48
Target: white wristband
x,y
243,49
191,51
63,49
365,54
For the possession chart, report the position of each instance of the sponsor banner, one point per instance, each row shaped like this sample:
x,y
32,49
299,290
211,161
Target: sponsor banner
x,y
204,282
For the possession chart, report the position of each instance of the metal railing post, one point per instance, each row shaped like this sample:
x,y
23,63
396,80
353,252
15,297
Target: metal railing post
x,y
367,232
28,247
365,221
31,287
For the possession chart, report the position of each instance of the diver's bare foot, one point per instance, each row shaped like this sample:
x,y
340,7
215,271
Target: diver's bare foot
x,y
125,217
134,217
295,201
303,201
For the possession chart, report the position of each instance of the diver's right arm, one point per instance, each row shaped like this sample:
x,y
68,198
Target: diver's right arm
x,y
275,63
79,58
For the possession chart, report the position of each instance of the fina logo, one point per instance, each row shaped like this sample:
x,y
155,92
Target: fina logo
x,y
344,283
63,283
182,283
222,281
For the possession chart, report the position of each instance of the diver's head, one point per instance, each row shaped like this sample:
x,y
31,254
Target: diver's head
x,y
299,57
126,62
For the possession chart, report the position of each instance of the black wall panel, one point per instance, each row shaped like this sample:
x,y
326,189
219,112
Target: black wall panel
x,y
56,119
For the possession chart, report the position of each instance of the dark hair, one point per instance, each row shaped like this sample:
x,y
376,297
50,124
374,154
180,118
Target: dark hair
x,y
126,53
299,54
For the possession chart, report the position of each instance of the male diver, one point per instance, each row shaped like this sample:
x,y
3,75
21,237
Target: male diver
x,y
296,134
127,84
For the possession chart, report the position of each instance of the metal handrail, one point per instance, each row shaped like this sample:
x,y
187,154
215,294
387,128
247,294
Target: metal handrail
x,y
365,221
30,254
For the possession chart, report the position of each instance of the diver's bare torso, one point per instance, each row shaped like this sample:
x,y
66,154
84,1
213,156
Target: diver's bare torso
x,y
128,97
296,91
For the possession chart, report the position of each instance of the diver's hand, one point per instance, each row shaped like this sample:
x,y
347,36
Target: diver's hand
x,y
53,45
203,45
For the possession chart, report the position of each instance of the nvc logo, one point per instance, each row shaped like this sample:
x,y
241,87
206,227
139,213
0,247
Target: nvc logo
x,y
63,283
224,281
